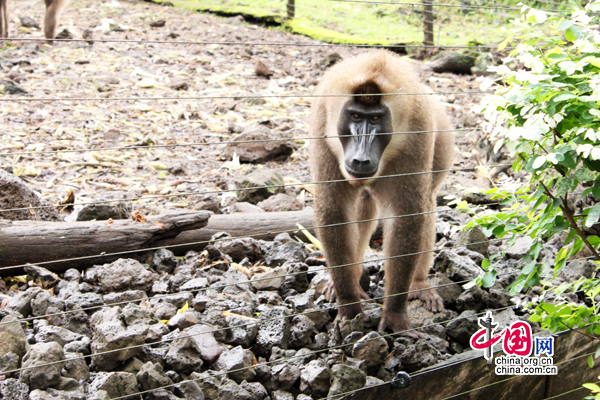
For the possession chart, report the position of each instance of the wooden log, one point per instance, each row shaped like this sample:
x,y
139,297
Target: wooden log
x,y
257,225
38,242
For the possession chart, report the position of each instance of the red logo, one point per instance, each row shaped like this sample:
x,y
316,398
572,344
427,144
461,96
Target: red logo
x,y
517,339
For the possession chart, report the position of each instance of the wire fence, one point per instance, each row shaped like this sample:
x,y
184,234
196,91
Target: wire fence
x,y
54,99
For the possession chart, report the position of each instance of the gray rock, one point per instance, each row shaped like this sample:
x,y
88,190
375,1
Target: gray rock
x,y
21,302
193,347
301,331
79,346
12,389
244,207
164,260
301,302
241,332
315,379
15,194
13,343
116,384
195,284
123,274
473,298
281,202
281,253
231,390
256,389
259,185
283,376
577,269
257,148
160,394
40,303
237,362
76,320
48,375
111,333
152,376
189,390
281,395
87,300
209,384
456,267
183,320
419,355
520,248
105,211
238,249
273,330
346,378
41,276
177,300
372,348
57,334
462,328
270,280
451,61
199,302
372,381
297,278
75,367
445,287
121,297
474,239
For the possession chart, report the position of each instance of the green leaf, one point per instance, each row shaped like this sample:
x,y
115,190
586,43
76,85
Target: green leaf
x,y
592,386
593,216
563,186
562,96
565,25
502,45
489,279
584,175
485,264
590,362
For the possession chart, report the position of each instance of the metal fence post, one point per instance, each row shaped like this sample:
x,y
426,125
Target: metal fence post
x,y
291,9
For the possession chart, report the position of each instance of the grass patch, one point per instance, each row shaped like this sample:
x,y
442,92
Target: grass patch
x,y
364,23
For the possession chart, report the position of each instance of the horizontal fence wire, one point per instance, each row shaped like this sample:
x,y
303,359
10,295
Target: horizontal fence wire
x,y
240,97
236,326
517,376
281,360
219,287
194,42
570,391
157,146
283,185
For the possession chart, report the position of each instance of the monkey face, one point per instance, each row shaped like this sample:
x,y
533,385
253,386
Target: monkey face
x,y
361,130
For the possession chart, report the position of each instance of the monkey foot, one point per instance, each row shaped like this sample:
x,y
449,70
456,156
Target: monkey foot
x,y
331,296
430,297
399,324
348,312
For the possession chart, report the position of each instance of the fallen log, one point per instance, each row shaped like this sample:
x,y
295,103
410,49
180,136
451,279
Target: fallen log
x,y
59,246
83,243
256,225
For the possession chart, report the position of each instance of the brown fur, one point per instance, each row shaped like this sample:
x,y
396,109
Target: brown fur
x,y
365,199
53,10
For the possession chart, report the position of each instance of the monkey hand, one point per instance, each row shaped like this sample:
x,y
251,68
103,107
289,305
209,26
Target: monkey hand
x,y
431,298
399,323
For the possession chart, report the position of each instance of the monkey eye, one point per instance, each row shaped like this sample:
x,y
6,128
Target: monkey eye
x,y
356,116
375,117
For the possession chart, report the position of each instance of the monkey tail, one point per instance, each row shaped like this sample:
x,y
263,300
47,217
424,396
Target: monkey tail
x,y
3,18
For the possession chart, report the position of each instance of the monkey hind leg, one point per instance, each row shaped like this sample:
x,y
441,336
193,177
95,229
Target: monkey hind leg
x,y
53,10
3,18
419,288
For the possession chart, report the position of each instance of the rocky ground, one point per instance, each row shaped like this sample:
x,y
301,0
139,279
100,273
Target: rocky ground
x,y
243,319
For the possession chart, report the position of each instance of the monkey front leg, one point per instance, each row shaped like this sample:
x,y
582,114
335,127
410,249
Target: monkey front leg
x,y
402,236
341,244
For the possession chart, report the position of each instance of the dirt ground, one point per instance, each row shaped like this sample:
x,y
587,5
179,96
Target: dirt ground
x,y
149,62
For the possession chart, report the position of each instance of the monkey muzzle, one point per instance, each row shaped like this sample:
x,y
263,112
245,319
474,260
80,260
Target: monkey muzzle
x,y
363,149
